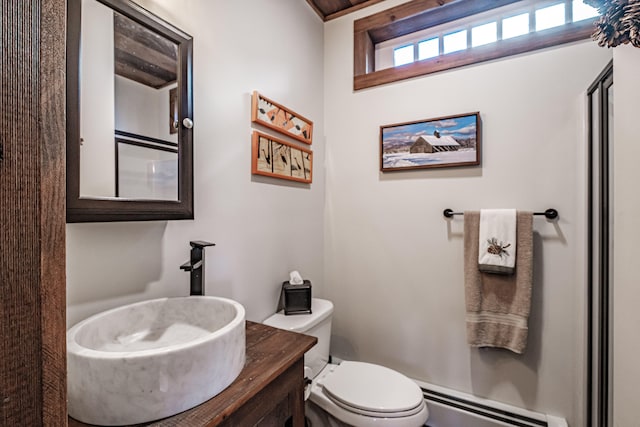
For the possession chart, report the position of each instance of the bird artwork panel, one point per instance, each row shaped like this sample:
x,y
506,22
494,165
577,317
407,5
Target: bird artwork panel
x,y
277,158
275,116
297,163
264,155
281,158
306,157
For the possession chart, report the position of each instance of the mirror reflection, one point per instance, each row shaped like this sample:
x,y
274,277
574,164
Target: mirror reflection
x,y
128,108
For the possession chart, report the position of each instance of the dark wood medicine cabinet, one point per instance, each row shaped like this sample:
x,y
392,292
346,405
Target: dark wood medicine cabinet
x,y
153,57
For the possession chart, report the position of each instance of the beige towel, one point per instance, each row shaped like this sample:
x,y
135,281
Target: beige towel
x,y
497,305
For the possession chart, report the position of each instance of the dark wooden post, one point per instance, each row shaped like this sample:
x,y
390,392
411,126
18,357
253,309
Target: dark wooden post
x,y
32,214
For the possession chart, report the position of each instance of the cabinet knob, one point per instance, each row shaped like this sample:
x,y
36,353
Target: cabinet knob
x,y
187,122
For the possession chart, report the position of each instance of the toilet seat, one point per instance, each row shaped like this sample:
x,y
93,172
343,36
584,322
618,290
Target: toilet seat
x,y
372,391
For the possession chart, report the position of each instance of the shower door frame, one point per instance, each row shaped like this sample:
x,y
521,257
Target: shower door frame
x,y
599,247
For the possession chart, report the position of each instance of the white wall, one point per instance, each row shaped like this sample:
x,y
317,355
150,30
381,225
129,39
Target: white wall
x,y
385,247
626,202
142,109
393,265
97,176
263,227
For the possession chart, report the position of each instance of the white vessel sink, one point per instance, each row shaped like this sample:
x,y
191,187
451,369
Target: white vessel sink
x,y
153,359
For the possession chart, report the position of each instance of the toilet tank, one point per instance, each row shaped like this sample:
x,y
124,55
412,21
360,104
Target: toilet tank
x,y
317,324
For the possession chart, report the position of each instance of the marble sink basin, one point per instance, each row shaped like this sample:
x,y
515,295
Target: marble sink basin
x,y
153,359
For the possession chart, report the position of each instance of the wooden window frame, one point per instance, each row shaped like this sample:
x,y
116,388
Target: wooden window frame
x,y
422,14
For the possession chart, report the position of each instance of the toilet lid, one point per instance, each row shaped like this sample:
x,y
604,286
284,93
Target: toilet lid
x,y
372,390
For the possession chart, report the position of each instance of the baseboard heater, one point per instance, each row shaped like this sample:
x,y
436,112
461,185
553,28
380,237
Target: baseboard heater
x,y
449,408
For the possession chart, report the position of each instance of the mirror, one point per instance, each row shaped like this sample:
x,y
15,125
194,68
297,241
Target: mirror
x,y
129,114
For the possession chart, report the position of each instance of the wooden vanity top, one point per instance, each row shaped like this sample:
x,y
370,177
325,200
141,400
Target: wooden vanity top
x,y
270,353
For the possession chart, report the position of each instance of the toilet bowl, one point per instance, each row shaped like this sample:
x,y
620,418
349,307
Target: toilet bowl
x,y
351,393
363,394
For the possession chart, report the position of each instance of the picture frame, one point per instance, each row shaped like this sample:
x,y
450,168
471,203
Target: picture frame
x,y
440,142
274,157
281,119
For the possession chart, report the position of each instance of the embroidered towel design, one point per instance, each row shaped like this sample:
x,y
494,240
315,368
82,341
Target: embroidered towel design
x,y
497,253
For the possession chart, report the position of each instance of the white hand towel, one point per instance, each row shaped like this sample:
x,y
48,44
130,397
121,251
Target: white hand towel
x,y
497,241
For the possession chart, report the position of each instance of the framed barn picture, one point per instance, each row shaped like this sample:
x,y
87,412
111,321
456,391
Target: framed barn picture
x,y
281,119
276,158
433,143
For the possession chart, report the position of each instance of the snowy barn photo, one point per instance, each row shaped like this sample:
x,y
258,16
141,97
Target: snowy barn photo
x,y
441,142
434,143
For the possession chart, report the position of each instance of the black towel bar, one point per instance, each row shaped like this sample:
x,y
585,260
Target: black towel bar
x,y
549,213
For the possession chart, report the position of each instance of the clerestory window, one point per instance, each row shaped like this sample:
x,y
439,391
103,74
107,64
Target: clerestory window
x,y
426,36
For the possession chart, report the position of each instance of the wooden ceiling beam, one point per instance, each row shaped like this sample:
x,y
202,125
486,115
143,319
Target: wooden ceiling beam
x,y
145,53
145,36
351,9
141,72
332,9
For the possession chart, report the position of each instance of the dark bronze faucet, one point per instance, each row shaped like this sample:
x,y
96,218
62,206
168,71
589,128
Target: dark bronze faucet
x,y
195,266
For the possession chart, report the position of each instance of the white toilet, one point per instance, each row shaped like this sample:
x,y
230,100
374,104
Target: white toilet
x,y
352,393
